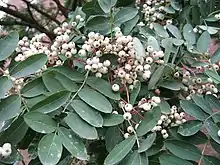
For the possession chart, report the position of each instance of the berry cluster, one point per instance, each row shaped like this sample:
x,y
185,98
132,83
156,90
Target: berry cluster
x,y
5,150
129,66
169,120
196,85
154,11
40,44
96,66
129,110
27,48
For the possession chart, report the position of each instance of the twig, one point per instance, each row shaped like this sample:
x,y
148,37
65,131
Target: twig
x,y
84,82
27,21
138,143
203,151
61,8
127,93
41,12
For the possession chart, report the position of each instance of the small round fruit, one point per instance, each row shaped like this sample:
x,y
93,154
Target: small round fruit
x,y
128,107
130,129
165,136
127,116
115,87
219,133
6,146
126,135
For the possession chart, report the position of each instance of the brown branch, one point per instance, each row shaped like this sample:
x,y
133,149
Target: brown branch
x,y
62,8
41,12
26,21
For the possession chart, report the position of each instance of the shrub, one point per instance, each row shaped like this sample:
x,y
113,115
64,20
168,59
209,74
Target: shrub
x,y
114,87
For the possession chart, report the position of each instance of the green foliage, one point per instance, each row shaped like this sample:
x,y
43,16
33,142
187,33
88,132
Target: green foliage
x,y
129,108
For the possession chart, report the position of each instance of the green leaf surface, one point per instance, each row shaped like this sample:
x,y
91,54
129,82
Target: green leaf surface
x,y
152,41
212,129
193,110
112,120
120,151
215,146
156,77
73,144
106,5
50,149
5,86
189,35
174,31
183,150
139,48
210,160
213,102
164,107
124,15
87,113
10,107
172,85
80,127
129,25
147,143
67,83
213,75
216,56
169,10
40,122
103,87
110,142
95,100
136,159
29,66
169,159
98,23
15,133
176,4
71,74
203,42
160,30
190,128
34,88
8,45
53,85
202,103
168,45
52,102
149,122
135,92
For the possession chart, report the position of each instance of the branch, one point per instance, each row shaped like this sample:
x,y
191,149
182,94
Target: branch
x,y
61,8
41,12
26,21
15,14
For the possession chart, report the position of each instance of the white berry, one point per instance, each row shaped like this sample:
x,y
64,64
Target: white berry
x,y
128,107
115,87
130,129
127,116
126,135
